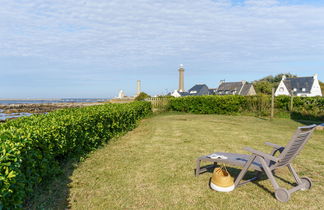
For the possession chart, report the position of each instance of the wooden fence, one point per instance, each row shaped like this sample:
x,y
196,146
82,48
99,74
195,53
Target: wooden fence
x,y
159,104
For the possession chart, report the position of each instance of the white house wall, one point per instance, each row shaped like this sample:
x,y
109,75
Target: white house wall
x,y
285,90
316,89
251,91
175,94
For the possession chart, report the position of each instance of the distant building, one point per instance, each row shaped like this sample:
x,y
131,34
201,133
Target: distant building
x,y
199,90
212,91
177,93
181,91
121,94
181,79
138,88
196,90
299,86
242,88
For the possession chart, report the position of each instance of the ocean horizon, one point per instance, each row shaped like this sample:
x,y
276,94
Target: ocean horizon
x,y
7,102
47,101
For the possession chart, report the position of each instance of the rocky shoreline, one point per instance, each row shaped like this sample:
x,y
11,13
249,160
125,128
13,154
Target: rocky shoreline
x,y
14,110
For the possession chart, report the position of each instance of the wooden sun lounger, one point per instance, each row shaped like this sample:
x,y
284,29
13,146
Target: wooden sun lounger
x,y
263,162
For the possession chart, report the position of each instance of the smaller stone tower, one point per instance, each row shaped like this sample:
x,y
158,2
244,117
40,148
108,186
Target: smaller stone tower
x,y
138,89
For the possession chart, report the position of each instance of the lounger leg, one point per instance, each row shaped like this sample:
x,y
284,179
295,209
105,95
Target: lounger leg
x,y
292,170
269,173
244,170
198,167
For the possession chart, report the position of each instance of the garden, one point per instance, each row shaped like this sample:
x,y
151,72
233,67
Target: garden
x,y
122,156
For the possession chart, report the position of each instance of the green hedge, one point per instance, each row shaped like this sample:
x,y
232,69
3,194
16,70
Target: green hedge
x,y
307,108
303,107
31,148
208,104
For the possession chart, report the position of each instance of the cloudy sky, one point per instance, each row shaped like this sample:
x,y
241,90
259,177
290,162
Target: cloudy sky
x,y
80,48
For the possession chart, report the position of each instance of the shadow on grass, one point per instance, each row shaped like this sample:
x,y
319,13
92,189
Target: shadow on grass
x,y
306,119
308,122
53,193
234,172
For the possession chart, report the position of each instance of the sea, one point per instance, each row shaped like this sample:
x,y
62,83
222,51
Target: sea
x,y
4,116
45,101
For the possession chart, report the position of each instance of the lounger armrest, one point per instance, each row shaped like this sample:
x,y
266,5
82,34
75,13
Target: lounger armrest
x,y
276,146
261,154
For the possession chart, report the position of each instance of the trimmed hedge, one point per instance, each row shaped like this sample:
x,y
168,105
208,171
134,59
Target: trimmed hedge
x,y
31,148
208,104
306,108
303,107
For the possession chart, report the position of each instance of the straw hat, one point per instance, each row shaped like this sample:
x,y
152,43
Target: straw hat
x,y
222,180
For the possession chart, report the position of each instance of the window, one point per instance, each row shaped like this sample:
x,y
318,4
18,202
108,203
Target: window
x,y
281,89
295,89
193,91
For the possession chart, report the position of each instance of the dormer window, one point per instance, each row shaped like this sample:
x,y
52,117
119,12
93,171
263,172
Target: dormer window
x,y
295,89
303,89
193,91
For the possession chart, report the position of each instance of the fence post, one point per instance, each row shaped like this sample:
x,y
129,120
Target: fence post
x,y
158,103
292,101
272,103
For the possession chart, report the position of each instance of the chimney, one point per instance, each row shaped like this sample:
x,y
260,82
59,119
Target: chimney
x,y
181,79
315,76
283,77
138,90
221,81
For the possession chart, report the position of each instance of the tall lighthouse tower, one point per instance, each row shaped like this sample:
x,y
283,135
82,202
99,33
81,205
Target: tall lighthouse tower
x,y
181,79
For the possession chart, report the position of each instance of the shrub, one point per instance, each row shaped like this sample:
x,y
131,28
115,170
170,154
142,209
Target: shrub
x,y
303,107
208,104
31,148
260,104
282,102
142,96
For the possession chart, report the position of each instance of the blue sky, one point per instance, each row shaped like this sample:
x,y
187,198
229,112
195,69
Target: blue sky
x,y
75,48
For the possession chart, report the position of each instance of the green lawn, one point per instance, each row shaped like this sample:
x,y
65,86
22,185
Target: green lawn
x,y
152,167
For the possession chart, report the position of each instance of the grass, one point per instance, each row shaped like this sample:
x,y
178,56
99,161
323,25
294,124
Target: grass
x,y
152,167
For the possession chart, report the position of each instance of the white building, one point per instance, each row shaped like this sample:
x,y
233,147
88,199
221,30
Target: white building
x,y
300,86
177,93
121,94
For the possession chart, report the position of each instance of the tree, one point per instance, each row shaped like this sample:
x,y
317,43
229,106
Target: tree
x,y
266,84
263,87
142,96
277,78
322,87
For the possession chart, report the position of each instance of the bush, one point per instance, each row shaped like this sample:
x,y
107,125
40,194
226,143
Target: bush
x,y
208,104
303,107
283,102
307,116
260,104
32,148
142,96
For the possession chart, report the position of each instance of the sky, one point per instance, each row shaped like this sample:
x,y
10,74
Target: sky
x,y
89,49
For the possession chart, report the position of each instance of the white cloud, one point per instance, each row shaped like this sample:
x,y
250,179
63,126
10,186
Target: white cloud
x,y
141,31
261,3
